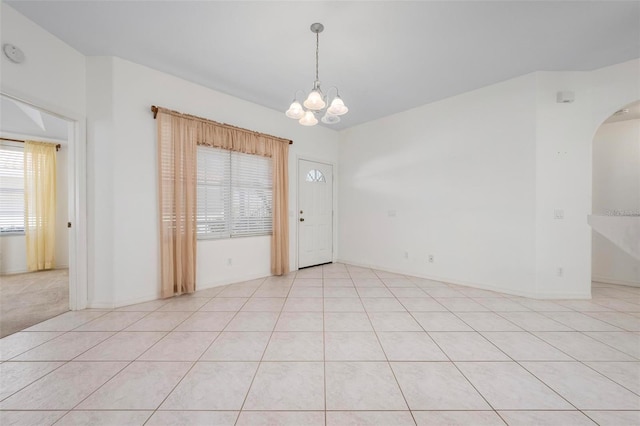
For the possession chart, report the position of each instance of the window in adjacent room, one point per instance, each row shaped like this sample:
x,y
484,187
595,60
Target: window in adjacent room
x,y
11,189
234,194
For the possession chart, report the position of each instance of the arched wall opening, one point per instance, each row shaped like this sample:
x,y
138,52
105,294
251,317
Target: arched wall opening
x,y
615,219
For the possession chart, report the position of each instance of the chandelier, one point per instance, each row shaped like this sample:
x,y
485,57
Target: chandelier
x,y
316,103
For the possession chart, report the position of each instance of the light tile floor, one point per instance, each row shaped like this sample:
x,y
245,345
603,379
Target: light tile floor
x,y
334,345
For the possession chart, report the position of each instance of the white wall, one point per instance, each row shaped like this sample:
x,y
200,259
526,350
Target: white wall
x,y
100,176
122,147
564,167
563,177
121,189
52,77
459,175
616,187
475,180
53,73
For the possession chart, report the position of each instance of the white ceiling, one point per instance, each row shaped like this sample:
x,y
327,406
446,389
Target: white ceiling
x,y
21,120
386,57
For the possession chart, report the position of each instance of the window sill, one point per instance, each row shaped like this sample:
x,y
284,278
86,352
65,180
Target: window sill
x,y
12,234
202,238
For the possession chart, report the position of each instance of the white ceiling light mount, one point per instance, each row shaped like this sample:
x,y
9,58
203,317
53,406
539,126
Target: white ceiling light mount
x,y
316,102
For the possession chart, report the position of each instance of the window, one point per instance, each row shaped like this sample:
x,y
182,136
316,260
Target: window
x,y
11,189
234,194
315,176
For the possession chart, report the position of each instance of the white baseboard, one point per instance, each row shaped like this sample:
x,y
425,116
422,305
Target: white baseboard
x,y
240,279
607,280
479,285
26,271
121,303
15,272
152,297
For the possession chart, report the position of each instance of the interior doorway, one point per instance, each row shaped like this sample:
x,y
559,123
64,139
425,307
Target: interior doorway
x,y
31,292
615,218
315,213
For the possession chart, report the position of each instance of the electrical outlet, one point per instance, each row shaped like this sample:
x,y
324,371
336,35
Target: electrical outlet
x,y
406,255
431,258
229,261
558,214
560,271
391,213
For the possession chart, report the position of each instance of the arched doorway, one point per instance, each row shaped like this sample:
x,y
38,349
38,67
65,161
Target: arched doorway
x,y
615,218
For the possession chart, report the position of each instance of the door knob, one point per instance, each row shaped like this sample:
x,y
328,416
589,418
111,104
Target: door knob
x,y
302,219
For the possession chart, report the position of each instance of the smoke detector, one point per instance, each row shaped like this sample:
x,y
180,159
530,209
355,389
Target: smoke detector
x,y
14,53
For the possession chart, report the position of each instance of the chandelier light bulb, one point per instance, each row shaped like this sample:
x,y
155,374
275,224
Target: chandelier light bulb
x,y
295,111
314,100
308,119
337,107
329,118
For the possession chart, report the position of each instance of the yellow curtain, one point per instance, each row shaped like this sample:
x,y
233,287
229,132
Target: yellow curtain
x,y
172,132
40,204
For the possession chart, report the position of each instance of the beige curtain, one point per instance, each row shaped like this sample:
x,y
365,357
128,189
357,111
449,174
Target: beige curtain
x,y
280,236
177,197
40,204
218,135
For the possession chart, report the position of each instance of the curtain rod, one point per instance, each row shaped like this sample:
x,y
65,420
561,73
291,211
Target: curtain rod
x,y
155,109
58,146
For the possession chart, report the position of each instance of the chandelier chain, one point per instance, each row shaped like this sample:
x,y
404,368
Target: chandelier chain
x,y
317,53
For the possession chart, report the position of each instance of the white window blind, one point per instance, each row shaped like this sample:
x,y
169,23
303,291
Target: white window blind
x,y
11,189
234,194
213,193
251,194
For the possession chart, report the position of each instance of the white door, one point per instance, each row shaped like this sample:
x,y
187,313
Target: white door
x,y
315,213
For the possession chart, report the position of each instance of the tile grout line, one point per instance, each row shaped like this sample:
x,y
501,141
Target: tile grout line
x,y
324,353
545,314
448,357
62,333
574,360
194,363
527,370
388,362
64,362
264,351
516,362
512,360
127,363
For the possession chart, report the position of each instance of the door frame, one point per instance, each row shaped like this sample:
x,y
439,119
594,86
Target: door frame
x,y
77,207
334,196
